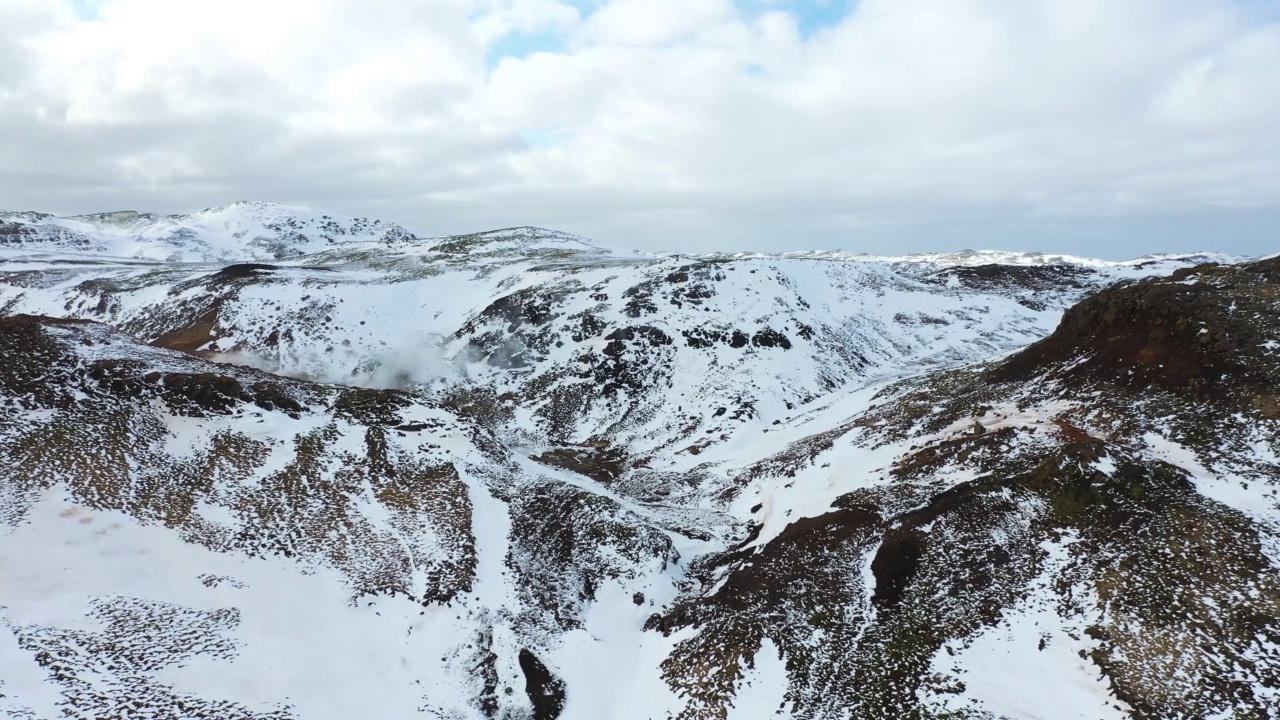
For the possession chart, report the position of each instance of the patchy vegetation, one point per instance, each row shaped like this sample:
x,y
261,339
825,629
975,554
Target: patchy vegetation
x,y
703,482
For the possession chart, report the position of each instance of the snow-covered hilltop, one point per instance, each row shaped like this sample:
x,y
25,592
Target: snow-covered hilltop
x,y
514,475
240,231
258,231
575,330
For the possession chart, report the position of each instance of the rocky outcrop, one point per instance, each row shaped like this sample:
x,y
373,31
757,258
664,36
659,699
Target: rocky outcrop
x,y
1202,330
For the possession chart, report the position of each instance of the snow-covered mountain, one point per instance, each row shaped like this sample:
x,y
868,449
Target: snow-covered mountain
x,y
240,231
258,467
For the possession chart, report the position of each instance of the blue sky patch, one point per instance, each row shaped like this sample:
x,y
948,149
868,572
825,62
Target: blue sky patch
x,y
522,45
542,136
811,16
86,9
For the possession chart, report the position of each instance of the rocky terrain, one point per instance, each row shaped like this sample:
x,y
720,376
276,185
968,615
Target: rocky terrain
x,y
263,462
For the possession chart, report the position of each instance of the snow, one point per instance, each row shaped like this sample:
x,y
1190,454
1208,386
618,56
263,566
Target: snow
x,y
299,640
23,685
762,691
384,313
612,668
1033,665
972,258
1225,488
240,231
846,467
1106,465
1235,490
363,302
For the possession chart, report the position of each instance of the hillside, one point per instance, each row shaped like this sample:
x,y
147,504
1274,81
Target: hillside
x,y
254,472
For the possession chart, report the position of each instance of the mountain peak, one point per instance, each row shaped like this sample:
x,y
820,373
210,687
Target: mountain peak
x,y
525,237
241,231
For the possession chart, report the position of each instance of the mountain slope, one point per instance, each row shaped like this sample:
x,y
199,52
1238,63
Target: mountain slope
x,y
1073,496
242,230
552,320
172,498
514,475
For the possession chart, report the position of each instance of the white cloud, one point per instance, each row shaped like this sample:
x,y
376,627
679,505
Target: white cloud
x,y
653,22
498,19
659,123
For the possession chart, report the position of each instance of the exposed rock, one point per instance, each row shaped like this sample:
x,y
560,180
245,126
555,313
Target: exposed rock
x,y
546,692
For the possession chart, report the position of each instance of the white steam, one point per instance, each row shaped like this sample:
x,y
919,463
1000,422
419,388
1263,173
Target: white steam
x,y
421,361
425,362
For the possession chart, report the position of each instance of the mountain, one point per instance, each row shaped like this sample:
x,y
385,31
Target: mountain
x,y
516,475
242,230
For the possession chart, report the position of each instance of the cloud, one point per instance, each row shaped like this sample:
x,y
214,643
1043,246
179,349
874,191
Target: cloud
x,y
677,125
644,23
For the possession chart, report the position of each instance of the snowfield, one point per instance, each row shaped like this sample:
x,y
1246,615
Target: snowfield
x,y
264,462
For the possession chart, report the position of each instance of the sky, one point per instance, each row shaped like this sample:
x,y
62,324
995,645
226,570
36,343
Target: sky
x,y
1110,128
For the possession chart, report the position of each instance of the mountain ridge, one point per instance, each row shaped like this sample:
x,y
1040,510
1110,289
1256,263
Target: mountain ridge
x,y
510,480
249,215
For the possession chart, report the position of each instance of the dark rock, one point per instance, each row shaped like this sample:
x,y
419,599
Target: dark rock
x,y
601,464
240,271
1188,336
546,691
769,337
